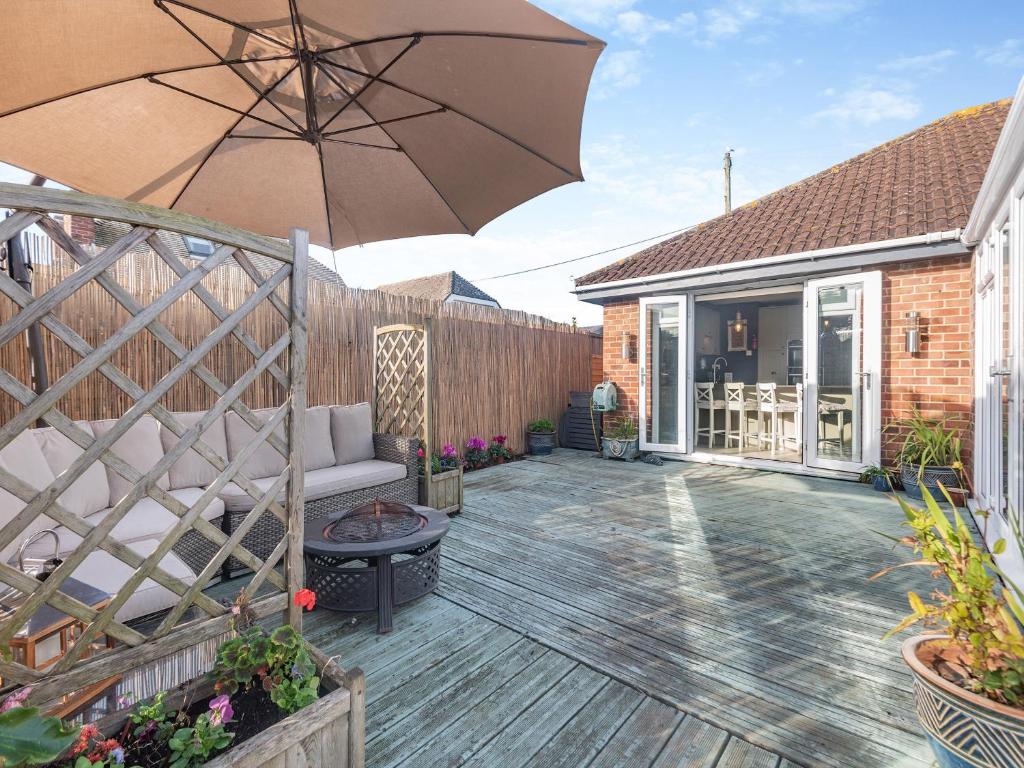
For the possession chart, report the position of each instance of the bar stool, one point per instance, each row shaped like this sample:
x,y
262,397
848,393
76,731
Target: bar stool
x,y
706,402
767,405
736,402
796,407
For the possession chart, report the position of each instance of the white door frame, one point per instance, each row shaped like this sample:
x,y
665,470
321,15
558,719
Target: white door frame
x,y
682,386
870,404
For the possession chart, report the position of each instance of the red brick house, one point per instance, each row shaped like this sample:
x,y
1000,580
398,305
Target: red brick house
x,y
786,333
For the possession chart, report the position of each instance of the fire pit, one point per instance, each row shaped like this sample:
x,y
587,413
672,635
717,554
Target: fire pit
x,y
374,557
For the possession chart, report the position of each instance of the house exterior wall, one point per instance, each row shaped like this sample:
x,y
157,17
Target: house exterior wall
x,y
939,380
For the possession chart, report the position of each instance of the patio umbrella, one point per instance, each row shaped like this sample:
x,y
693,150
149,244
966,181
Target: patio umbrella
x,y
360,120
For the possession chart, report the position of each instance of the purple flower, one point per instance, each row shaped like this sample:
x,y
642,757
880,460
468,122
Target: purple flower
x,y
117,753
296,672
448,451
16,699
221,709
476,444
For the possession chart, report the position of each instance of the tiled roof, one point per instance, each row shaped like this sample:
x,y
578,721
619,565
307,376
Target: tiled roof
x,y
437,287
923,182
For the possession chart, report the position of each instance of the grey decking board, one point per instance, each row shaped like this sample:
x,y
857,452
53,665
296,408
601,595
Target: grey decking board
x,y
641,738
742,754
694,744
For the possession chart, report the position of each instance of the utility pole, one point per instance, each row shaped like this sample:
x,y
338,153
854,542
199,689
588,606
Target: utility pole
x,y
727,170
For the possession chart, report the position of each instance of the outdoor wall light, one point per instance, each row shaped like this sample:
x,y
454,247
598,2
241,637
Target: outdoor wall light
x,y
912,332
625,345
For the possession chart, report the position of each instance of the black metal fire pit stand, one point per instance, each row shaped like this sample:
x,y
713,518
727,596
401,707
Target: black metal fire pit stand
x,y
357,561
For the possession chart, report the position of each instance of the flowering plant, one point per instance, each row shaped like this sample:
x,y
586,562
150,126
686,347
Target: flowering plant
x,y
190,747
306,598
477,456
447,460
497,450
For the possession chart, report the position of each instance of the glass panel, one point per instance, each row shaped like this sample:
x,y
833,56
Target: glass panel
x,y
840,363
662,365
1005,355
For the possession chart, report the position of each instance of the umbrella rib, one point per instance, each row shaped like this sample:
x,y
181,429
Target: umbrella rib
x,y
362,89
298,28
383,122
327,205
213,51
227,133
450,108
123,80
223,20
496,35
223,106
402,150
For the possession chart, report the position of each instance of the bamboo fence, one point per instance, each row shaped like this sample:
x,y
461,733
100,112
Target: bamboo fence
x,y
495,370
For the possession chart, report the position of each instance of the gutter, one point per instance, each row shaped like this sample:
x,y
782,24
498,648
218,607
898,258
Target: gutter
x,y
638,284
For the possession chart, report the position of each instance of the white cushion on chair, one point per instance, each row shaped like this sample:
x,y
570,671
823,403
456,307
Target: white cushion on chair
x,y
192,470
319,449
149,518
352,432
266,460
24,459
140,447
91,491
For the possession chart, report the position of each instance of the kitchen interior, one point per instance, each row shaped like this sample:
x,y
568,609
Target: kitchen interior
x,y
748,374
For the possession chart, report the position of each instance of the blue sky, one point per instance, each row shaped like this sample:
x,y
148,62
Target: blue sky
x,y
793,86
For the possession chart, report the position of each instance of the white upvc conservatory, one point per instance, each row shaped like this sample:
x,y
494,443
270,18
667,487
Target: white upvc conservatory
x,y
996,228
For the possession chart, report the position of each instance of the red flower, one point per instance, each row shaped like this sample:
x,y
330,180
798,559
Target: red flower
x,y
420,453
306,598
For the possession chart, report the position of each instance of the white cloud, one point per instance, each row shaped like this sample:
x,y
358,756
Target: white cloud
x,y
618,71
641,27
1009,53
728,21
599,12
763,72
821,10
868,105
928,63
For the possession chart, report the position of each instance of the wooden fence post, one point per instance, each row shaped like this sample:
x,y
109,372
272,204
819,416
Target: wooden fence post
x,y
298,351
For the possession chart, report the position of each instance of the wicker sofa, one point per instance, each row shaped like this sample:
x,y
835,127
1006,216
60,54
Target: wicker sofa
x,y
345,464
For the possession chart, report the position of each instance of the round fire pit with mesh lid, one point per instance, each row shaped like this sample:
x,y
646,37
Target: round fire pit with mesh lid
x,y
374,557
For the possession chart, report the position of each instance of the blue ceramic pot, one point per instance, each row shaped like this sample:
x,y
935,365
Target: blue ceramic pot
x,y
881,483
965,730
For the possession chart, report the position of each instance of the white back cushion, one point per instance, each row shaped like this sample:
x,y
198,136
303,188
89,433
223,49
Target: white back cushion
x,y
352,433
140,447
192,470
91,491
319,450
265,461
24,459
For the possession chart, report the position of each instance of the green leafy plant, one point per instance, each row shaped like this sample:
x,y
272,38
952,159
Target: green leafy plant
x,y
499,453
870,473
192,746
540,425
624,430
984,652
29,738
152,721
925,442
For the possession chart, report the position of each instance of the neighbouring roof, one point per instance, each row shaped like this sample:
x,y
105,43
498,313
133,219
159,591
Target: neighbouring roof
x,y
437,287
923,182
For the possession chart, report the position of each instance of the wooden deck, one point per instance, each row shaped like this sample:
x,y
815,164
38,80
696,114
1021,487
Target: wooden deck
x,y
602,614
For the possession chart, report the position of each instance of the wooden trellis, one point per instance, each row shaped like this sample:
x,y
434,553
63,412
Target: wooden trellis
x,y
284,360
401,383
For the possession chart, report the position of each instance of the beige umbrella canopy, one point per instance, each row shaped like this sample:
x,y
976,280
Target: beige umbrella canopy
x,y
360,120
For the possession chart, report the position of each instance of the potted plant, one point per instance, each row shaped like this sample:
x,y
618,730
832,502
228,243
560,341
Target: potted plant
x,y
477,456
497,450
540,437
970,673
444,488
929,454
623,442
879,478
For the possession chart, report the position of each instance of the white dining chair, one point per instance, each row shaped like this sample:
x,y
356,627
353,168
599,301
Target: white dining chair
x,y
736,403
794,406
767,415
706,402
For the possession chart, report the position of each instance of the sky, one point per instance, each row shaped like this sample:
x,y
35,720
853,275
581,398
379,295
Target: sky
x,y
792,86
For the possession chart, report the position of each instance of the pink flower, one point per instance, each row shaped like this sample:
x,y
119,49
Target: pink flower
x,y
476,444
221,709
420,453
500,439
16,699
448,451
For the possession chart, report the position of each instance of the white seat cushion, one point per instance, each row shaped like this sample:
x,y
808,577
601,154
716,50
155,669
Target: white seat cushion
x,y
140,447
91,491
149,518
319,450
266,461
104,571
352,433
319,483
24,459
192,470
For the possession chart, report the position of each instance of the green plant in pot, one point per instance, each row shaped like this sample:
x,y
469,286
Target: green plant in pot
x,y
970,671
879,478
540,437
928,455
622,442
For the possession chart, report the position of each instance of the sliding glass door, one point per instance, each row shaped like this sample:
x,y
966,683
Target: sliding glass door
x,y
842,349
661,353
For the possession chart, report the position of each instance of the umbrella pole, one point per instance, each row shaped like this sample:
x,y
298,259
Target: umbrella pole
x,y
20,271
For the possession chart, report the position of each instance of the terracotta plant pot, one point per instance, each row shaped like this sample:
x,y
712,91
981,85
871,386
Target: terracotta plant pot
x,y
965,730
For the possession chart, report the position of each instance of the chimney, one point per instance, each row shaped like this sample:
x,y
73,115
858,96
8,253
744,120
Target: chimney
x,y
81,228
727,169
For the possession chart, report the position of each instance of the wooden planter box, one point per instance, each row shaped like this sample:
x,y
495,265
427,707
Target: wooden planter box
x,y
329,732
443,492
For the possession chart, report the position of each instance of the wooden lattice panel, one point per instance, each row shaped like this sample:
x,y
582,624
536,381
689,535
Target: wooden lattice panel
x,y
401,381
284,291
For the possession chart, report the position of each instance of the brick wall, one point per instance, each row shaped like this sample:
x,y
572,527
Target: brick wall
x,y
939,380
